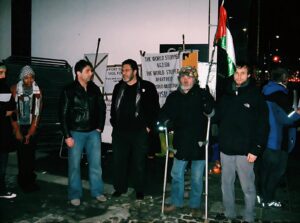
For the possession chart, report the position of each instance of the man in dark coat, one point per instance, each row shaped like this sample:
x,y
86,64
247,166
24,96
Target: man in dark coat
x,y
243,130
187,109
7,106
134,110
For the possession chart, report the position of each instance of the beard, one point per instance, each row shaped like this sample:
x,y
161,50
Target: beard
x,y
130,78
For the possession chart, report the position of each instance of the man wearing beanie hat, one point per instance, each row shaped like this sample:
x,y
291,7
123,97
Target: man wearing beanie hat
x,y
28,98
187,110
7,106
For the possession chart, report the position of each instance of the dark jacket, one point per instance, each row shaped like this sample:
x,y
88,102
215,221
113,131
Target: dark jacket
x,y
81,110
242,114
185,113
146,110
6,132
282,135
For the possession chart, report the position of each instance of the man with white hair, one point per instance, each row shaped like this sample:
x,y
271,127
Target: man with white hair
x,y
28,98
186,110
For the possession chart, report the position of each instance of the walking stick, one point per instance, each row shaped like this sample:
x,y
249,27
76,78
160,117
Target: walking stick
x,y
166,169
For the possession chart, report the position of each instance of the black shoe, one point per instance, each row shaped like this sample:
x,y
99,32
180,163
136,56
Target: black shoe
x,y
31,188
116,194
7,195
222,217
139,195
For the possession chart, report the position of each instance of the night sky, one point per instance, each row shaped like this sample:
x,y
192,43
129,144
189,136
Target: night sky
x,y
277,18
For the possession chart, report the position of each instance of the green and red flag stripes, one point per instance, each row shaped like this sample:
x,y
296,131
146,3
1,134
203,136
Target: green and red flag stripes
x,y
224,39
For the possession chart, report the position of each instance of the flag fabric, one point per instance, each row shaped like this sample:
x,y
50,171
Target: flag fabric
x,y
224,39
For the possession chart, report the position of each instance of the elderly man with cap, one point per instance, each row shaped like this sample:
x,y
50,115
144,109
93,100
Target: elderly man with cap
x,y
28,98
186,110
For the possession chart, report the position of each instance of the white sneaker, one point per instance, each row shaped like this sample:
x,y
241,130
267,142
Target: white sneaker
x,y
75,202
275,204
7,195
101,198
258,198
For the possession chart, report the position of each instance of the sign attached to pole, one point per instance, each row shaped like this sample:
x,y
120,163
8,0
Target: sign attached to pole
x,y
100,67
113,76
162,70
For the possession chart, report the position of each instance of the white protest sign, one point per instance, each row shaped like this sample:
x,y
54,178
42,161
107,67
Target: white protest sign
x,y
162,70
113,76
202,77
106,134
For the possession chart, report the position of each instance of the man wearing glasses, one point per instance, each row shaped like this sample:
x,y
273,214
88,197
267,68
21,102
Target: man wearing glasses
x,y
134,109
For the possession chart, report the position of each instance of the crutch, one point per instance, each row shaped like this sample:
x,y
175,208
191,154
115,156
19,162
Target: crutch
x,y
166,167
206,167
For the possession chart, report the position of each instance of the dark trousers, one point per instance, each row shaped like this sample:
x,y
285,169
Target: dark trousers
x,y
273,167
26,160
129,149
3,165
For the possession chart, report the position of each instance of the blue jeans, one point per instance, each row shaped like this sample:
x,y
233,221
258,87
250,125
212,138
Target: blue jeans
x,y
91,141
177,173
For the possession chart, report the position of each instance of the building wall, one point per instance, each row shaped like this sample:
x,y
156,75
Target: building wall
x,y
5,29
70,28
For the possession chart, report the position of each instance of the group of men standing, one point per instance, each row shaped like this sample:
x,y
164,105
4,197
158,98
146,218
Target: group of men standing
x,y
243,114
250,124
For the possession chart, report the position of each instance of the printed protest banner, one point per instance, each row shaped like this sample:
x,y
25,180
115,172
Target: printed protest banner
x,y
162,70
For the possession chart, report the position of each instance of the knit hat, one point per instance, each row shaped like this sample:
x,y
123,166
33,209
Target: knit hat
x,y
188,71
27,70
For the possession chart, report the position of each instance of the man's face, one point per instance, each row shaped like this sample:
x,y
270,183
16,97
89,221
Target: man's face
x,y
186,82
2,73
86,74
28,80
241,75
127,73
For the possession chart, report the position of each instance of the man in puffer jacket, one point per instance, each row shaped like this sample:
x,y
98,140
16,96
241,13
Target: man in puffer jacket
x,y
282,135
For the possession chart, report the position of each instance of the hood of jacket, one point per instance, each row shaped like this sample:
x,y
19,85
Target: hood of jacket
x,y
272,87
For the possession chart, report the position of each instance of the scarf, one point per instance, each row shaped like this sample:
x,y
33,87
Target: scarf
x,y
28,102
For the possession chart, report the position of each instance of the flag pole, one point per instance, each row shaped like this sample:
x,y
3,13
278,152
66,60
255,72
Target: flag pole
x,y
166,170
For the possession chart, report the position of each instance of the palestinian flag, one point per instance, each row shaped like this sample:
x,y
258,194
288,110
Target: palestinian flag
x,y
224,39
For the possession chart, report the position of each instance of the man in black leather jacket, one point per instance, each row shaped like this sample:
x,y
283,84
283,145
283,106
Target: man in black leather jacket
x,y
82,117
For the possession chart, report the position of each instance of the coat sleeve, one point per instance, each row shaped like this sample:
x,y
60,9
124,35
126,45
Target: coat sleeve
x,y
167,113
262,127
208,104
283,118
63,112
102,110
113,107
152,107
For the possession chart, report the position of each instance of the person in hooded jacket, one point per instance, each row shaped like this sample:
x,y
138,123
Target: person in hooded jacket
x,y
242,116
282,135
187,110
